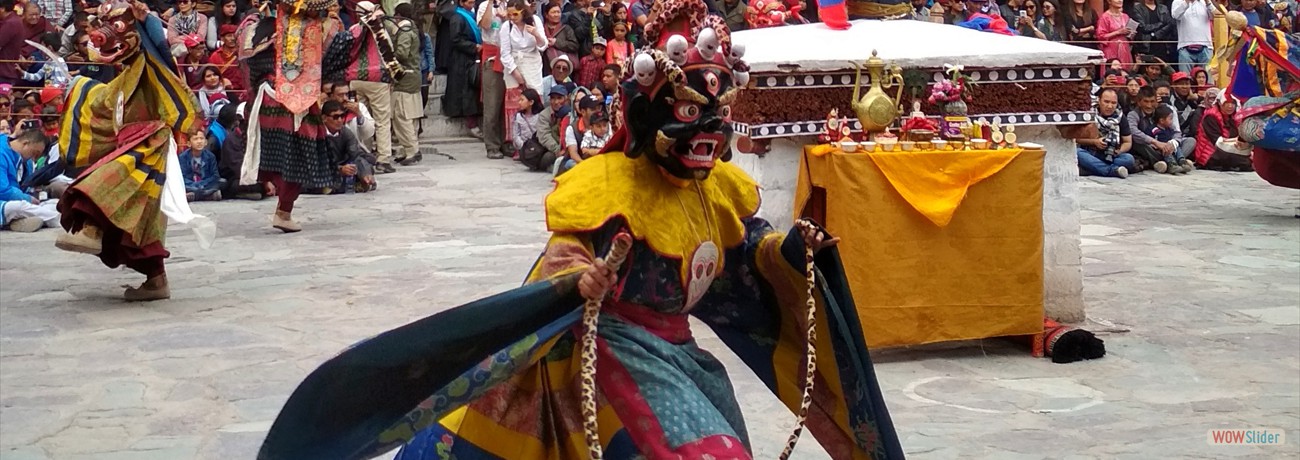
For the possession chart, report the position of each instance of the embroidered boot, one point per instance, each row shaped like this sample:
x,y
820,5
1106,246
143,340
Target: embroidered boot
x,y
87,241
284,222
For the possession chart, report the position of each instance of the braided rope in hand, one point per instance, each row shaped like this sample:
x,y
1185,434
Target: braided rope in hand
x,y
590,314
811,370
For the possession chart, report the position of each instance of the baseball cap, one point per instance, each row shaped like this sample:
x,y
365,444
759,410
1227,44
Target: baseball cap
x,y
1180,76
599,41
559,90
589,102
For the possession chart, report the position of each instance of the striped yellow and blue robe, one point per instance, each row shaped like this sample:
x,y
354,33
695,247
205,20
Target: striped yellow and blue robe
x,y
499,378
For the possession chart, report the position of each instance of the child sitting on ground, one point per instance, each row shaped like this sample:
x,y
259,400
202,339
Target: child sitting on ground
x,y
1164,132
594,141
199,166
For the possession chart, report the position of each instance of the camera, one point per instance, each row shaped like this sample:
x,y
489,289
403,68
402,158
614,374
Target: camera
x,y
30,123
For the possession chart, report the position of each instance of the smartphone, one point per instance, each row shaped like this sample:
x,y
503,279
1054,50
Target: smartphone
x,y
352,96
30,123
1024,13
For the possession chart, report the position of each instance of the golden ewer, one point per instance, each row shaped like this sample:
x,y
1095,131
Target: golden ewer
x,y
876,110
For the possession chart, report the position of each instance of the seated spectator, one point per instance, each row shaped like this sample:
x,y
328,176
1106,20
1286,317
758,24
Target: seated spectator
x,y
1217,146
1167,156
186,22
33,69
225,59
609,78
1128,101
359,120
355,169
1185,101
6,113
79,63
550,120
561,68
199,167
575,131
526,119
193,61
1107,155
211,93
68,40
23,212
230,160
594,141
220,127
1166,130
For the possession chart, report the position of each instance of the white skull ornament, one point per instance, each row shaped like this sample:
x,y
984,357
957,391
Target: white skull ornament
x,y
708,43
677,49
737,52
644,66
704,267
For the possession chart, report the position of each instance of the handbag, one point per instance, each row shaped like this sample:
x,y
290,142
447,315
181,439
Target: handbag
x,y
533,154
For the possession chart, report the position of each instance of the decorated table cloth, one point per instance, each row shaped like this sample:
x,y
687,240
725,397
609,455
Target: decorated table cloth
x,y
937,245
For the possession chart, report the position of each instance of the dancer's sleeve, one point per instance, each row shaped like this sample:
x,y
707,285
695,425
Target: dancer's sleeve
x,y
759,309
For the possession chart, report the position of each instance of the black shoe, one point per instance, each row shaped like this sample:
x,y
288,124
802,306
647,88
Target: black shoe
x,y
412,160
399,159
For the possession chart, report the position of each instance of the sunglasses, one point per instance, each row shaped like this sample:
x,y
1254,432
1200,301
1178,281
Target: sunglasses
x,y
336,116
5,104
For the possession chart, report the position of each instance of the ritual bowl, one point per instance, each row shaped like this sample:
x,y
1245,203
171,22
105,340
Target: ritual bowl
x,y
888,144
907,145
939,144
849,146
979,144
868,146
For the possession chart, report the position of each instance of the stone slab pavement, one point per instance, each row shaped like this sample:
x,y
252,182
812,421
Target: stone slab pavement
x,y
1203,271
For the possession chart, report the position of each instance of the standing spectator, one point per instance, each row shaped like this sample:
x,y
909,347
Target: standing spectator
x,y
464,42
1156,30
1113,32
1153,69
35,26
638,14
522,42
1149,150
79,62
1217,146
1051,23
491,15
370,79
617,49
592,65
57,11
1081,24
1194,43
406,91
581,19
226,61
1257,13
609,81
1108,155
12,34
560,38
426,71
734,12
1026,18
186,22
226,15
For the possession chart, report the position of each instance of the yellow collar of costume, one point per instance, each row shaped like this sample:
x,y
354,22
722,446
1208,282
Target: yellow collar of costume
x,y
612,185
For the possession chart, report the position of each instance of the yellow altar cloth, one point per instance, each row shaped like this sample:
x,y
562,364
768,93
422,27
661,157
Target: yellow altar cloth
x,y
937,246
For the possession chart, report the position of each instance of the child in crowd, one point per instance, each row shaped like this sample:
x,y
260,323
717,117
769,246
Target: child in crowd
x,y
530,104
618,48
590,67
1164,131
594,141
575,132
199,166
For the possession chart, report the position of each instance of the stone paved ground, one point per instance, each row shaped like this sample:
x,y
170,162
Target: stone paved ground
x,y
1204,270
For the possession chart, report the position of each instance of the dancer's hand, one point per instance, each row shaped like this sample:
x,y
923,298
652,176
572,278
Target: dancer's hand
x,y
596,281
814,236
